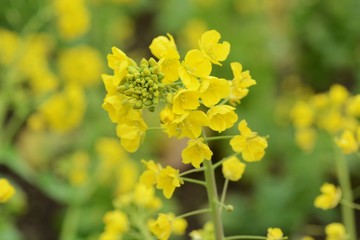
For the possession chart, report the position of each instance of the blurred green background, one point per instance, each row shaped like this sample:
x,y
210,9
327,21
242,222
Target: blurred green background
x,y
291,48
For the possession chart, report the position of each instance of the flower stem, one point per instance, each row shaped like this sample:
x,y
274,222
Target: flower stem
x,y
223,194
202,183
213,200
196,212
344,181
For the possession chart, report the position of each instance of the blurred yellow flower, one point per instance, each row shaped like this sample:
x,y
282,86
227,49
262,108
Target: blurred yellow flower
x,y
167,180
274,234
81,64
347,142
196,152
212,49
305,138
116,222
148,177
166,224
302,114
329,198
7,191
248,143
221,117
338,94
335,231
233,169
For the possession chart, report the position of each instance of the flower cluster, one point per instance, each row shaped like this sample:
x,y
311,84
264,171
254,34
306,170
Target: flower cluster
x,y
191,104
329,198
336,111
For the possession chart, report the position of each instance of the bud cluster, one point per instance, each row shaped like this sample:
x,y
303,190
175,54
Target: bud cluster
x,y
143,84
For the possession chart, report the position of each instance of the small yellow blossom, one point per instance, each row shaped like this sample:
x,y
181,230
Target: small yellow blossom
x,y
116,221
185,100
302,114
213,89
335,231
144,196
7,191
338,94
148,178
118,61
212,49
240,84
194,66
329,198
353,106
221,117
305,138
196,152
331,121
274,234
233,169
188,124
166,224
347,142
248,143
179,226
167,180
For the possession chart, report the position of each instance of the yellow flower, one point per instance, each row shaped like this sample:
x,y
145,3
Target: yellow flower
x,y
148,177
144,196
196,152
179,226
347,142
274,234
188,124
302,114
213,89
81,65
212,49
167,180
194,66
166,224
233,169
165,49
338,94
118,61
131,135
353,106
329,198
305,138
332,121
185,100
335,231
221,117
240,84
248,143
7,191
116,221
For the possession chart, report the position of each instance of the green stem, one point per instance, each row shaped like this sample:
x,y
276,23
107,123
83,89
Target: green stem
x,y
223,194
213,200
202,183
350,204
196,212
344,181
191,171
70,223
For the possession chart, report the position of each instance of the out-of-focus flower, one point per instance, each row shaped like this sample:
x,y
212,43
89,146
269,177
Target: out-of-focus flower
x,y
233,169
212,49
335,231
329,198
347,142
7,191
274,234
166,224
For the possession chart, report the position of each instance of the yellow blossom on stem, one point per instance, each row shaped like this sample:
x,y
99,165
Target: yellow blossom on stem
x,y
194,66
132,135
347,142
212,49
221,117
144,196
185,100
179,226
233,169
148,177
213,89
167,180
165,49
118,61
116,221
166,224
240,83
188,124
196,152
7,191
338,94
248,143
274,234
329,198
353,106
335,231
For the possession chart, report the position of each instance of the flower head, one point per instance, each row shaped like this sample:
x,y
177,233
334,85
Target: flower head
x,y
212,49
213,89
7,191
329,197
221,117
335,231
167,180
196,152
148,178
166,224
347,142
274,234
233,169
